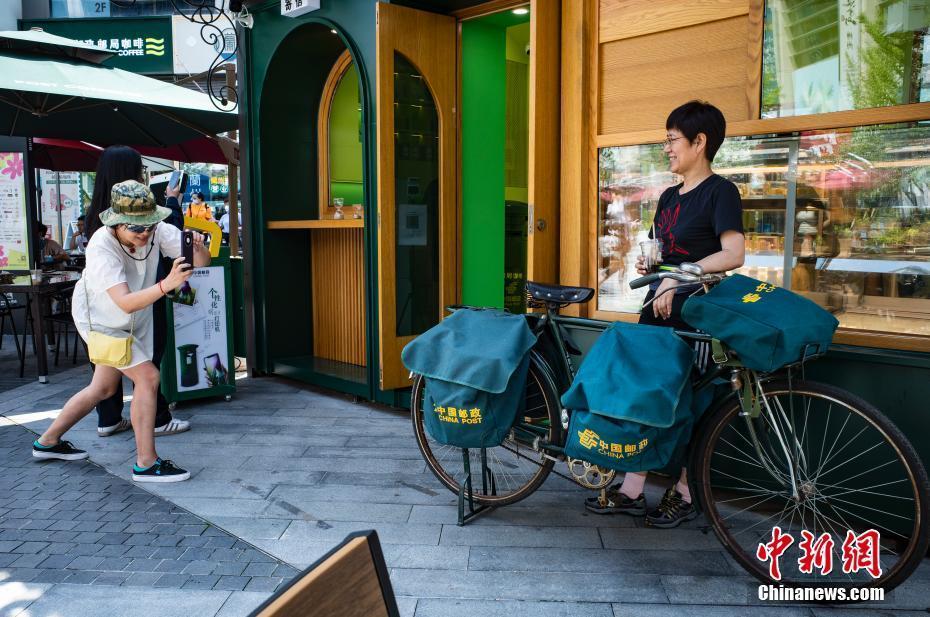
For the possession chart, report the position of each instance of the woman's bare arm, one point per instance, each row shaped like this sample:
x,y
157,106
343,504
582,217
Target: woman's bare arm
x,y
731,255
130,302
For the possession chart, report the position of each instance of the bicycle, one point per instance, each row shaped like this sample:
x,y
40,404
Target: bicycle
x,y
772,449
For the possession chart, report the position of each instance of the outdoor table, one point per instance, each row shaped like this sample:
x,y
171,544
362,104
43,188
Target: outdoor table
x,y
39,294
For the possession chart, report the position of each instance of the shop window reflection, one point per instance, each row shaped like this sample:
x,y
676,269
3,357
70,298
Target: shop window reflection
x,y
831,55
850,207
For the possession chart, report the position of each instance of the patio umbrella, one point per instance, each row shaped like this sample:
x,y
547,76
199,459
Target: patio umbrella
x,y
65,98
72,155
64,155
39,42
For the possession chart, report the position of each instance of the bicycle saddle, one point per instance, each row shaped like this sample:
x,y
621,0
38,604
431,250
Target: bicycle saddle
x,y
559,293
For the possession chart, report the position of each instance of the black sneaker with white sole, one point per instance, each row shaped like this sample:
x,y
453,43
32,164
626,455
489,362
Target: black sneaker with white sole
x,y
162,470
63,451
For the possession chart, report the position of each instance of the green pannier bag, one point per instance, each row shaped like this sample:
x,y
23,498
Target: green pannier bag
x,y
631,402
475,364
767,326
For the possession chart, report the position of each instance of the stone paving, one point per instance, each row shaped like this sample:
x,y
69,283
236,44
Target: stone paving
x,y
76,523
291,471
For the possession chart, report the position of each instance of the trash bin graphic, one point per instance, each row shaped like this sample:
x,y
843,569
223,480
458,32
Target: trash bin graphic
x,y
187,365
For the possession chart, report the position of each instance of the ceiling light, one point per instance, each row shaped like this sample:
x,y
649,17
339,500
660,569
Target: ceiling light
x,y
521,11
333,30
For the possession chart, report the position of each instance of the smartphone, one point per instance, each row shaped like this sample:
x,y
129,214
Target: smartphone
x,y
179,180
187,247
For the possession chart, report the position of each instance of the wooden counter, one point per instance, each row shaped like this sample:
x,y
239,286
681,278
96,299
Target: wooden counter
x,y
318,224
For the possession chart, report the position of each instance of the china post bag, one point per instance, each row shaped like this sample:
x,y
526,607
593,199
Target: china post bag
x,y
475,364
631,402
767,326
106,350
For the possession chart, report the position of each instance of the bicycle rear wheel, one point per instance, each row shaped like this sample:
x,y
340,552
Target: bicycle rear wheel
x,y
852,470
516,467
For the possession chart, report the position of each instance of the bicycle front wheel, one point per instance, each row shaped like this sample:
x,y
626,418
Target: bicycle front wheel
x,y
517,466
821,460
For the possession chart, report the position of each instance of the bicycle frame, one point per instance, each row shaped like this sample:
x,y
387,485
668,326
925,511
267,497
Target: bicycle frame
x,y
555,355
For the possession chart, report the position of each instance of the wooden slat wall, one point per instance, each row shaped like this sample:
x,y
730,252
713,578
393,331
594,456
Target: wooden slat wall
x,y
645,77
337,265
623,19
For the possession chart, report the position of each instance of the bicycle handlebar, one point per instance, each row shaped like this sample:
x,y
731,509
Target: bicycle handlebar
x,y
678,275
643,280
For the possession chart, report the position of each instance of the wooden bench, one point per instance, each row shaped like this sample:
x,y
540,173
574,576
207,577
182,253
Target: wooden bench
x,y
349,581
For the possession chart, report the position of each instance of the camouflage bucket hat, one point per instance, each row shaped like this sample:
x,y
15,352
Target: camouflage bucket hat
x,y
132,203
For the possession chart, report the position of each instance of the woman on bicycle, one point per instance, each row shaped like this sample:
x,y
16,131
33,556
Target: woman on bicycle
x,y
699,221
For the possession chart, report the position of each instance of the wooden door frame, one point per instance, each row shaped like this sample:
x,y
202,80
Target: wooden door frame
x,y
543,200
342,64
433,58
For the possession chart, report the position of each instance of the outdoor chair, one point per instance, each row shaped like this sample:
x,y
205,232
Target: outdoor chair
x,y
8,304
349,581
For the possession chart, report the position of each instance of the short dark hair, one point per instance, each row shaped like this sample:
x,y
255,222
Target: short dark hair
x,y
82,217
699,117
199,196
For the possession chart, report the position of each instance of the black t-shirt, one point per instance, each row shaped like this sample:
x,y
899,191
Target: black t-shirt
x,y
690,225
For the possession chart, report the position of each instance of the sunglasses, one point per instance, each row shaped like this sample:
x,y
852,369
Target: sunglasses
x,y
140,229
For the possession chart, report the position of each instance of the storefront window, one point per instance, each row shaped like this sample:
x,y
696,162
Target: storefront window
x,y
832,55
416,170
851,206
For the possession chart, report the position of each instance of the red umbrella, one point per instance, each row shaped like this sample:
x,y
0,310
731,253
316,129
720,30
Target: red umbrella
x,y
69,155
64,155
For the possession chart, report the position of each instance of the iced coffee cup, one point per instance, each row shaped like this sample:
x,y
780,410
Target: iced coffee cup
x,y
652,254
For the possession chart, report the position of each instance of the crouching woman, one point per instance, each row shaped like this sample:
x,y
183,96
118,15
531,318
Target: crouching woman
x,y
114,297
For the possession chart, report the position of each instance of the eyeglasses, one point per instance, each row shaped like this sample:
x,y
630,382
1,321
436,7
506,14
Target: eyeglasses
x,y
670,140
140,229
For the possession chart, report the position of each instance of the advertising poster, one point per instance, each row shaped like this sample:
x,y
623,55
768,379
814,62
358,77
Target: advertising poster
x,y
61,195
200,338
14,222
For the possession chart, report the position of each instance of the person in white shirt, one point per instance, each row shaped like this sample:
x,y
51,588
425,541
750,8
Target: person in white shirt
x,y
224,220
115,296
78,240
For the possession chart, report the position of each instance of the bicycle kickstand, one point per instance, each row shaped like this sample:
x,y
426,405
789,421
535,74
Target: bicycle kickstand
x,y
466,487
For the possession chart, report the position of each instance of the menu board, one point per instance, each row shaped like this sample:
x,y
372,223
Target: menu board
x,y
14,220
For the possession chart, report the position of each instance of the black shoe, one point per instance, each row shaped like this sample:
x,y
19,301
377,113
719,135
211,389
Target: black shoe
x,y
615,502
63,451
672,511
161,471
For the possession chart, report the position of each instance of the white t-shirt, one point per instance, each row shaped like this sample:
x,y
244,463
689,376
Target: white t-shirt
x,y
224,221
110,264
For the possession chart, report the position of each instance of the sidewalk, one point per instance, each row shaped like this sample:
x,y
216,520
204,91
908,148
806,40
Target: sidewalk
x,y
290,471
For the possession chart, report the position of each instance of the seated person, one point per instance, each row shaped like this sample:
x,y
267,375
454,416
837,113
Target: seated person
x,y
79,239
49,250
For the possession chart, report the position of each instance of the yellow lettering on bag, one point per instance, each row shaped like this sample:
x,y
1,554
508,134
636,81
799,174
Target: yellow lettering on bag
x,y
751,298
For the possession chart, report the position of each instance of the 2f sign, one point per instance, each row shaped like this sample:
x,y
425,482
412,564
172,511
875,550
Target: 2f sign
x,y
296,8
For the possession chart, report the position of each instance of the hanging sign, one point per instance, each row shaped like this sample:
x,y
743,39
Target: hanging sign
x,y
296,8
141,44
14,222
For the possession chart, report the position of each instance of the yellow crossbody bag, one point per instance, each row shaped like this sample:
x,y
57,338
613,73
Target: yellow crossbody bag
x,y
106,350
